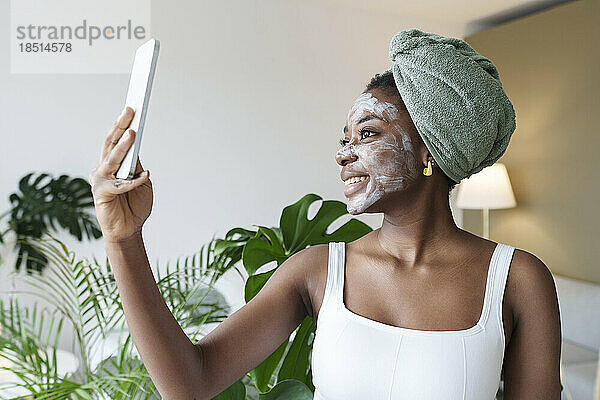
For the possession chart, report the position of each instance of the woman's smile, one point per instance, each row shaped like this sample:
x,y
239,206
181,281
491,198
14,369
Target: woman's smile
x,y
354,184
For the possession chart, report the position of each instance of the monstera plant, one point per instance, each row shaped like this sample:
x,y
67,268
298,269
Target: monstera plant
x,y
45,202
286,372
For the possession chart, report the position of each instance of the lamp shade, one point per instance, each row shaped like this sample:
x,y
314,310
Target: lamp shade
x,y
489,188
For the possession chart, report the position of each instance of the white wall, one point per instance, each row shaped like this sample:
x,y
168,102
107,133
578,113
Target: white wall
x,y
245,117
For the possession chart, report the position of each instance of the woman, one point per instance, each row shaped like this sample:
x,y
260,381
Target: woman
x,y
417,309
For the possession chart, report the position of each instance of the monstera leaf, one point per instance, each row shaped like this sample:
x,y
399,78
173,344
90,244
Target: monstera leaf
x,y
255,283
296,232
264,247
237,391
262,374
289,389
296,362
45,203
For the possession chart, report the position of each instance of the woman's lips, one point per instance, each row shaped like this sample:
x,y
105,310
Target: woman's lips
x,y
355,187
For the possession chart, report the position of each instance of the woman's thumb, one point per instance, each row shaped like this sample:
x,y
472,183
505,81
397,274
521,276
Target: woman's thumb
x,y
119,186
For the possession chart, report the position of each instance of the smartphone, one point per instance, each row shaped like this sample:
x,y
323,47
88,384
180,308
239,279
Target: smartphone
x,y
138,97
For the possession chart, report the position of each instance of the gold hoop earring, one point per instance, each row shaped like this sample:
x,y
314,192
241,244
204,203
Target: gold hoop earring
x,y
428,171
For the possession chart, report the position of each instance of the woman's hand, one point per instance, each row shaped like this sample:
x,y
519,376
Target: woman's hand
x,y
122,205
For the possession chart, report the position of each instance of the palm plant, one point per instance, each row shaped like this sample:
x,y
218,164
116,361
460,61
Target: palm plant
x,y
84,295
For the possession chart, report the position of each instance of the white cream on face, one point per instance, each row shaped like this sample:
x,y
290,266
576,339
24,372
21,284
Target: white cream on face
x,y
388,159
366,102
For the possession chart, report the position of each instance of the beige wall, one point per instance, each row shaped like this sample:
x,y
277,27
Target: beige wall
x,y
549,64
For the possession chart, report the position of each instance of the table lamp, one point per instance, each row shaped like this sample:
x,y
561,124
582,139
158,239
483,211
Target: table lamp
x,y
488,189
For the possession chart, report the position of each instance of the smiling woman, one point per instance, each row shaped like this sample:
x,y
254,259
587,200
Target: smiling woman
x,y
420,308
417,309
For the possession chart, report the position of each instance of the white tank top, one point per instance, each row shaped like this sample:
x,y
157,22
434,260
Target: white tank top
x,y
357,358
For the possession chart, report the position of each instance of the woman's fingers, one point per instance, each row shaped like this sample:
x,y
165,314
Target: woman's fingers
x,y
118,186
115,133
113,161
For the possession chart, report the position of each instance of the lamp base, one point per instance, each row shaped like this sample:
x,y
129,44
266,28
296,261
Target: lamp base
x,y
486,223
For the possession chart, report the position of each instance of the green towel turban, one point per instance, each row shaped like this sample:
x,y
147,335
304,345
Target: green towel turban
x,y
455,99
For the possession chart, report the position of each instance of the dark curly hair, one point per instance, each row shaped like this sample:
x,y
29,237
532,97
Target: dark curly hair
x,y
385,81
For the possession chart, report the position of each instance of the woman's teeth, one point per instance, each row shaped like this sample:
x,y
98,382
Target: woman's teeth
x,y
354,179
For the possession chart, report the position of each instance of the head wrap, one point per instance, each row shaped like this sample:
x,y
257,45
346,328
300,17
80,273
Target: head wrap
x,y
455,99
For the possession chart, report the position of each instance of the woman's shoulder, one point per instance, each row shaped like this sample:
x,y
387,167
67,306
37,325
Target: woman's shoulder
x,y
529,278
310,263
530,284
528,275
528,269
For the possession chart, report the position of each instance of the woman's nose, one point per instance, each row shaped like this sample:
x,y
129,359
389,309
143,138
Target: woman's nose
x,y
344,157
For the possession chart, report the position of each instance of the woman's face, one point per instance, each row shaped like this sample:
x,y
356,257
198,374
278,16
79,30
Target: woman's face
x,y
379,146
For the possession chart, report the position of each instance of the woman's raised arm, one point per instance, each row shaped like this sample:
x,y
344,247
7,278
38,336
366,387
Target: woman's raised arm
x,y
180,369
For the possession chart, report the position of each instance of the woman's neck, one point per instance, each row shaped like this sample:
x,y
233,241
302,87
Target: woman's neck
x,y
419,231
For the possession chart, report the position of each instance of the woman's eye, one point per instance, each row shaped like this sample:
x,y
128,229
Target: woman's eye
x,y
365,131
344,142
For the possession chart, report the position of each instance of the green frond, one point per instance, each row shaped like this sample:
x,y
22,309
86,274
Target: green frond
x,y
85,294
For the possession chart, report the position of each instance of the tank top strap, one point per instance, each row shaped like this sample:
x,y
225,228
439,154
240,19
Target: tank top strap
x,y
501,264
335,270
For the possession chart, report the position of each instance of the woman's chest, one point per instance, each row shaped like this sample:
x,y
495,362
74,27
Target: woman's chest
x,y
444,298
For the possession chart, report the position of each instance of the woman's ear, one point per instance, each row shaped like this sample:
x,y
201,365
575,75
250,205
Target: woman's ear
x,y
425,157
